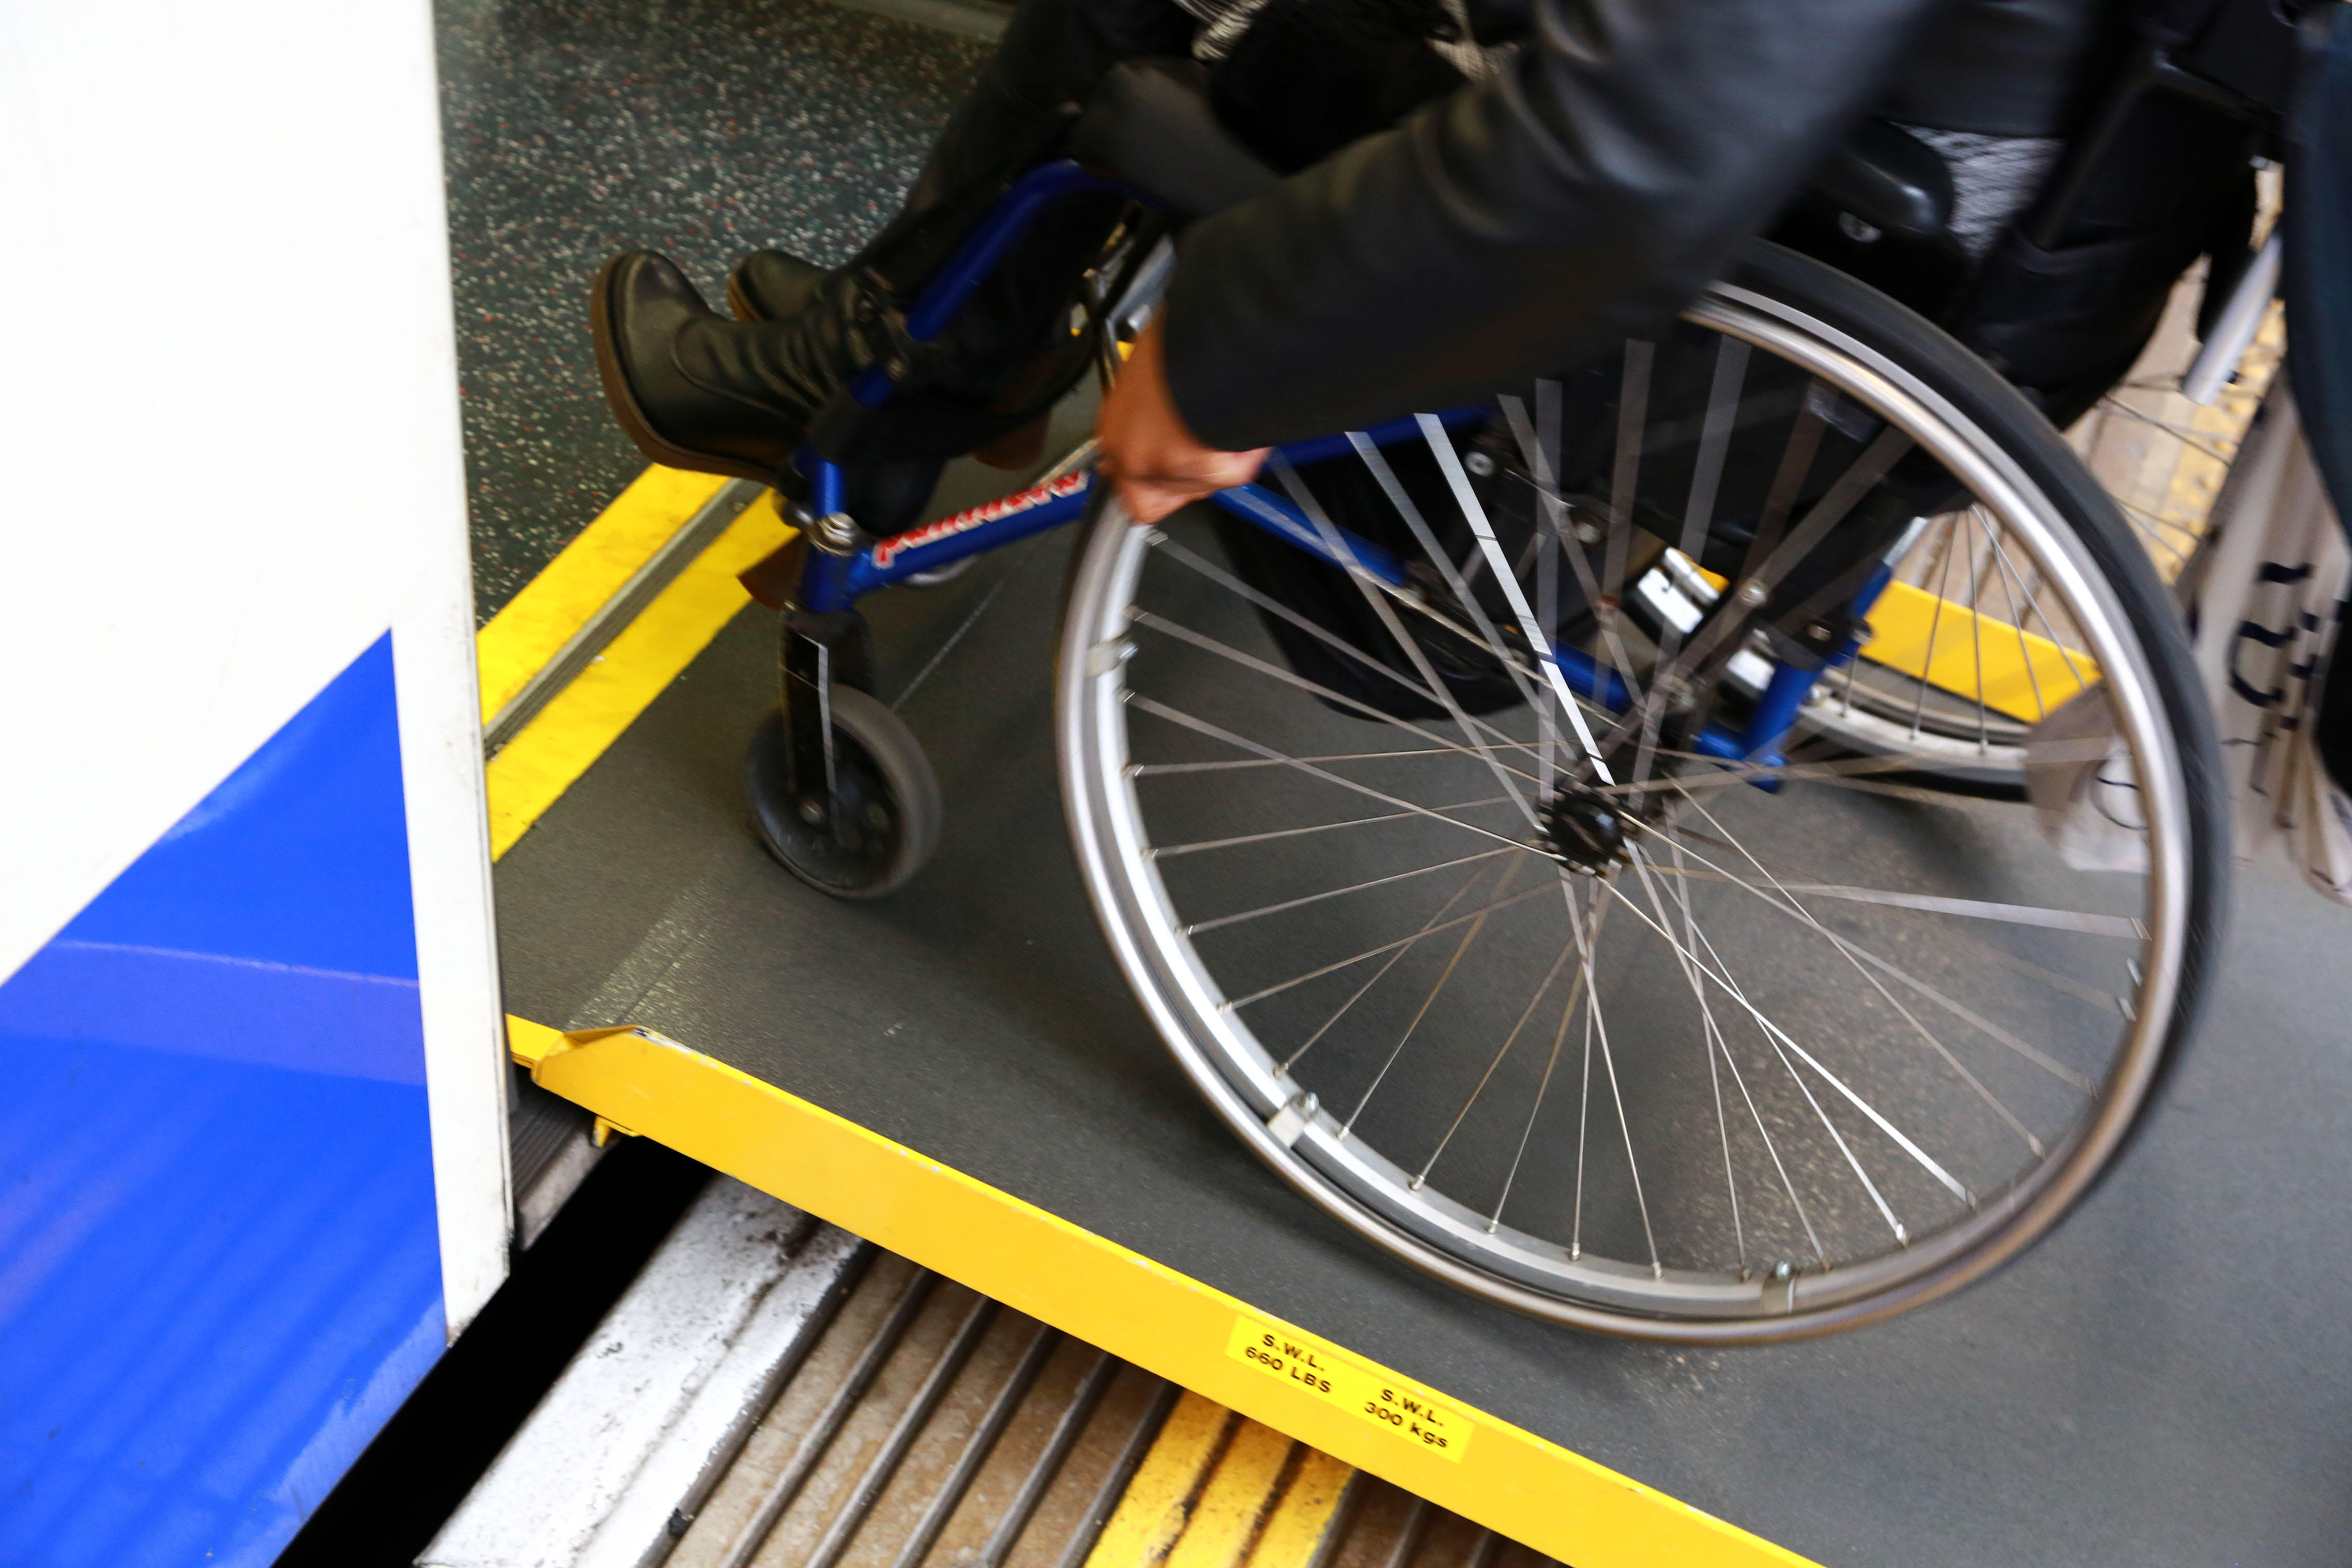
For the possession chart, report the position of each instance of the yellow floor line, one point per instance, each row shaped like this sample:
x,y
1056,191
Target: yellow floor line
x,y
521,638
1234,1503
1304,1516
1159,1499
1199,1338
531,772
2025,676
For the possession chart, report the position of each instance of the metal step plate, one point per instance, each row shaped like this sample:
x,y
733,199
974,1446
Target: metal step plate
x,y
773,1393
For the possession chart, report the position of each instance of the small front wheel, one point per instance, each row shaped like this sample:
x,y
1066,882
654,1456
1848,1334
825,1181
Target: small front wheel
x,y
881,820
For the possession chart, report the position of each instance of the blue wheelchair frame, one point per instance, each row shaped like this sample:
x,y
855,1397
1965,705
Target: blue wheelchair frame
x,y
835,575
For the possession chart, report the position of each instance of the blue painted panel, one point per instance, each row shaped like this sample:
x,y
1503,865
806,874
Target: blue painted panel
x,y
219,1271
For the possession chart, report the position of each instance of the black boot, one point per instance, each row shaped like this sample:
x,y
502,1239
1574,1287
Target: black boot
x,y
772,286
696,391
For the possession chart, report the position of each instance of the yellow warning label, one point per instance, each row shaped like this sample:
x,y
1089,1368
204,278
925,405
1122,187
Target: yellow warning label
x,y
1403,1410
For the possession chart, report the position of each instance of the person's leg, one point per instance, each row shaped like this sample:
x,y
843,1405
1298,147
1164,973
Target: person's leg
x,y
696,391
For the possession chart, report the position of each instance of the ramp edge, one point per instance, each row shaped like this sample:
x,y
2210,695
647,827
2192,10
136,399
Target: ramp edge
x,y
1508,1480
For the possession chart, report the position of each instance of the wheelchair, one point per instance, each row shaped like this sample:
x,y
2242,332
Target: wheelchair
x,y
1614,846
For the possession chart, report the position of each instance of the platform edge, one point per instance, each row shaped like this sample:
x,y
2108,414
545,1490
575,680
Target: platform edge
x,y
1522,1486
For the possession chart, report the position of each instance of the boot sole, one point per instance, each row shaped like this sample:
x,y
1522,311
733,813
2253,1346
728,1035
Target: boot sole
x,y
624,398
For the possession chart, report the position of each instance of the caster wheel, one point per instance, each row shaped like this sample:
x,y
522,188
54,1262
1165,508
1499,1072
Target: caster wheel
x,y
886,821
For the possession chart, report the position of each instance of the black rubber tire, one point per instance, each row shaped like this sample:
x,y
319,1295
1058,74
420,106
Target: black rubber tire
x,y
891,800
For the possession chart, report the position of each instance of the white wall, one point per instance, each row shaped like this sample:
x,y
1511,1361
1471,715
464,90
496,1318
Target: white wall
x,y
229,428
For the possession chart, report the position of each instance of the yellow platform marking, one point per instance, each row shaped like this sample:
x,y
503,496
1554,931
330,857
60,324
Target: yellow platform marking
x,y
2026,676
532,771
1234,1504
521,638
1158,1502
1304,1515
1904,627
1520,1486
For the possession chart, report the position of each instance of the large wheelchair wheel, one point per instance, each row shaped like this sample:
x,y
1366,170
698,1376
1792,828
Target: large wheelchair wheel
x,y
1544,987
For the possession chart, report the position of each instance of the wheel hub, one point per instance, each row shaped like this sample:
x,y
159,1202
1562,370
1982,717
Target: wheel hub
x,y
1585,828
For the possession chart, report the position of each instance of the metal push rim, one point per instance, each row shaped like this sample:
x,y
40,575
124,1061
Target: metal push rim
x,y
1371,1196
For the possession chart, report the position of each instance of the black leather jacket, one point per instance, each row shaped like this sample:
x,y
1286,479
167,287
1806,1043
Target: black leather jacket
x,y
1515,226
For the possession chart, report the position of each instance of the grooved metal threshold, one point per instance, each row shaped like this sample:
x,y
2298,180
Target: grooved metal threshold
x,y
773,1393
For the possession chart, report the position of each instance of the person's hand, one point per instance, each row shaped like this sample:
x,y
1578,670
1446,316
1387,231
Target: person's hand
x,y
1148,450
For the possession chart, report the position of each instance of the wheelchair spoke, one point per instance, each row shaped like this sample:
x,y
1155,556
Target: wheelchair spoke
x,y
2151,529
1976,645
1935,625
1396,951
1550,545
1584,1080
2039,1058
2114,925
1716,1048
1717,1042
2033,608
1777,1039
1707,1036
1782,1038
1198,927
1164,852
1714,443
1797,454
1217,732
1976,806
2193,439
1698,512
1340,644
2017,615
1451,963
1535,453
1501,1051
1377,599
1385,476
2105,1001
1596,1028
1535,1106
1209,644
1722,775
1624,481
1860,477
1331,968
1433,432
1975,1085
1158,769
1788,1186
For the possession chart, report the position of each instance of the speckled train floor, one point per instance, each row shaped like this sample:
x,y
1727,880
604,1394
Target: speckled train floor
x,y
703,129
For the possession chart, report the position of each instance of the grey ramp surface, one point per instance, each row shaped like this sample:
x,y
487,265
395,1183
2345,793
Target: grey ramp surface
x,y
2166,1380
